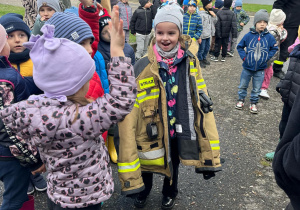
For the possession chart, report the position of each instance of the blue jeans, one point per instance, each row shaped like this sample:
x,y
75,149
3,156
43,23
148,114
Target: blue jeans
x,y
257,80
16,179
203,49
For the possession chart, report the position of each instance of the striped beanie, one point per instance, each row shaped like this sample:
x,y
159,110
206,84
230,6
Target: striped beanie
x,y
69,26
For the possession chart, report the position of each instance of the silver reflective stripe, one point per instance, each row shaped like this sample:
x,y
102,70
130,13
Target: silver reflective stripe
x,y
152,154
147,95
129,166
214,145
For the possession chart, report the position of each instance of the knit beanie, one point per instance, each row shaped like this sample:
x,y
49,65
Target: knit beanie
x,y
277,17
60,66
192,3
261,15
14,22
69,26
143,2
54,4
3,37
238,3
104,18
227,3
219,4
205,2
171,12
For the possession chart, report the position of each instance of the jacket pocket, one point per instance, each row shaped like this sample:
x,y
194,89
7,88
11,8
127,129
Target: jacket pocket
x,y
151,152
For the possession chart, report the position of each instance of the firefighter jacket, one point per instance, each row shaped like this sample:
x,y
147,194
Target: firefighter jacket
x,y
196,131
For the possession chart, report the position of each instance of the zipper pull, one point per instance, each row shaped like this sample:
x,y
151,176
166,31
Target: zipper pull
x,y
259,38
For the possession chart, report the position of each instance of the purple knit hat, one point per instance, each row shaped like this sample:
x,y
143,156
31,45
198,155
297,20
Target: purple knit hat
x,y
60,67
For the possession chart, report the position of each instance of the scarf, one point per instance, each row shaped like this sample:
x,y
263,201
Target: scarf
x,y
18,58
171,54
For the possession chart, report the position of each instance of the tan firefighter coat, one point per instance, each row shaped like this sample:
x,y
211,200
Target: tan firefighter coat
x,y
198,146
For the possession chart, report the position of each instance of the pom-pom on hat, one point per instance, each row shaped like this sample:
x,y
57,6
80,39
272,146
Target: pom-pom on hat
x,y
60,66
171,12
277,17
14,22
54,4
104,18
70,26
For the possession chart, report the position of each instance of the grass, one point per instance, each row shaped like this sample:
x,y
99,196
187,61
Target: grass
x,y
132,39
255,7
11,9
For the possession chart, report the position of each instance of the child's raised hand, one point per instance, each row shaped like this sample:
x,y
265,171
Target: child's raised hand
x,y
117,36
87,3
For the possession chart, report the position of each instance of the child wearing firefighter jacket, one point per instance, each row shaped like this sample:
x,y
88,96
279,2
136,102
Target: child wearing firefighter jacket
x,y
171,120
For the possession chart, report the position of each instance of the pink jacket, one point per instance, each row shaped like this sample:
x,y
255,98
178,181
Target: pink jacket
x,y
74,154
291,48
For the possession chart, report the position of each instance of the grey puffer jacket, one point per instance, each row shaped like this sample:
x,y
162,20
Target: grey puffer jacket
x,y
74,153
208,24
125,12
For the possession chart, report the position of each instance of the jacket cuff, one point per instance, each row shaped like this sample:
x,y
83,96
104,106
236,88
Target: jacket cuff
x,y
36,165
134,191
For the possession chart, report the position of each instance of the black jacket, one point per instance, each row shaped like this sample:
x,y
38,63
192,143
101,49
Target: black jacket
x,y
226,24
286,163
141,21
289,86
291,8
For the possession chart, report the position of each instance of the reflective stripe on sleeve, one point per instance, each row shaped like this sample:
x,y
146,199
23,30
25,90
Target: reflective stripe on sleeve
x,y
129,167
215,144
156,162
201,83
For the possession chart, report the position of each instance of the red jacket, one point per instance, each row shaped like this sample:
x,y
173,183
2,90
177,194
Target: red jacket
x,y
96,89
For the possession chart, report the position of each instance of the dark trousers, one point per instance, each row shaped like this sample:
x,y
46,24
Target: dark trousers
x,y
168,190
291,37
53,206
221,42
16,179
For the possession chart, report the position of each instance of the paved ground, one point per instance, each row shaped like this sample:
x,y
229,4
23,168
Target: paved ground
x,y
246,182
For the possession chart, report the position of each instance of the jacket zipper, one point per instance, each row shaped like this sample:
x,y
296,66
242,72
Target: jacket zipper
x,y
146,20
256,45
189,24
127,17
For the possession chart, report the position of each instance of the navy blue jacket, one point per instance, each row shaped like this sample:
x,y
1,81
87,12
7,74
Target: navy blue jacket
x,y
104,49
260,47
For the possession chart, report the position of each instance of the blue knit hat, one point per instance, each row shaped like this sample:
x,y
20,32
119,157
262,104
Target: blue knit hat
x,y
192,3
14,22
219,4
69,26
238,3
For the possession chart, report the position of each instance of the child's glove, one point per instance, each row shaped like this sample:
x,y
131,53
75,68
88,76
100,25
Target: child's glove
x,y
206,103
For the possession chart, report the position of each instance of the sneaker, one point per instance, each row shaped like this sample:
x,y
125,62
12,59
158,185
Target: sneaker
x,y
213,58
253,108
30,189
206,62
264,94
140,202
202,64
39,182
239,105
231,54
223,59
279,75
167,202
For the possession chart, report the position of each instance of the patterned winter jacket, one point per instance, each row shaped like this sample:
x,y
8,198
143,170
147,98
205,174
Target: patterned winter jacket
x,y
241,17
196,131
30,12
74,152
125,12
192,25
256,49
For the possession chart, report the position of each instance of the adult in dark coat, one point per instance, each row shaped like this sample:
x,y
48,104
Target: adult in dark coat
x,y
291,8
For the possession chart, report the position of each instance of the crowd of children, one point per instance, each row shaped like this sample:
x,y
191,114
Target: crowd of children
x,y
60,111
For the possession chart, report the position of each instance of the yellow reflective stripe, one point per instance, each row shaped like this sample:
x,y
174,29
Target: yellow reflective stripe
x,y
278,62
194,70
156,162
144,93
136,104
128,167
143,96
201,83
215,144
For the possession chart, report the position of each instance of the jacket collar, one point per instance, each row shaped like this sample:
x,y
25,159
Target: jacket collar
x,y
4,63
253,31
